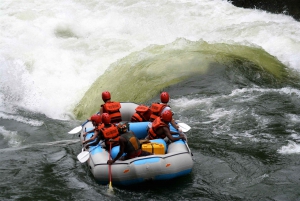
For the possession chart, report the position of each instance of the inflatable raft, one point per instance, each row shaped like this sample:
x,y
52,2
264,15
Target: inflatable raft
x,y
174,160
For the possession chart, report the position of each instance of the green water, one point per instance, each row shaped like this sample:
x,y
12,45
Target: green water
x,y
140,76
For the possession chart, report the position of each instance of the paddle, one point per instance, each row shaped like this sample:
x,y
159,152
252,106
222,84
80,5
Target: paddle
x,y
109,169
85,155
184,127
77,129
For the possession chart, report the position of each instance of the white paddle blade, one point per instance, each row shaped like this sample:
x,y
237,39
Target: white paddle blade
x,y
75,130
184,127
83,156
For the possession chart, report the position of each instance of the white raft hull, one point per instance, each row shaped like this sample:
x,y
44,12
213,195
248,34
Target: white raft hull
x,y
176,162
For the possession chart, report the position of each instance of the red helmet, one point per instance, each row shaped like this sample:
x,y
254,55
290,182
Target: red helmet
x,y
96,118
164,97
167,116
105,118
105,95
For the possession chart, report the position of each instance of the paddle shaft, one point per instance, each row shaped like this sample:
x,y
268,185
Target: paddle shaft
x,y
109,167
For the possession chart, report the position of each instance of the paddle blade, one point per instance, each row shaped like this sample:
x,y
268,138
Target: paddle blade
x,y
75,130
184,127
110,188
83,156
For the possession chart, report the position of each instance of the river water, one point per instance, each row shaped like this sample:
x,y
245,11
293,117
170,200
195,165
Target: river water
x,y
232,73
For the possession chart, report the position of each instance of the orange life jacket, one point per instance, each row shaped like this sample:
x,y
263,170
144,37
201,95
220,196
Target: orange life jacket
x,y
142,113
157,123
110,132
113,109
156,109
101,125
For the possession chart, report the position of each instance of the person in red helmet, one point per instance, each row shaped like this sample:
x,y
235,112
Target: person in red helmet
x,y
108,131
142,114
111,107
96,120
97,123
160,128
158,108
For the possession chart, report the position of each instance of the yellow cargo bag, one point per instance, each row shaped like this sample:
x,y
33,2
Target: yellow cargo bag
x,y
154,148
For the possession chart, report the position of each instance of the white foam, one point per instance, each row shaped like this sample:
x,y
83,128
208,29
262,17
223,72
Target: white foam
x,y
290,148
252,93
11,137
21,119
184,103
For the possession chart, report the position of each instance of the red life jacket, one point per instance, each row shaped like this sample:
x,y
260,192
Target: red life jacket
x,y
110,132
101,125
113,109
156,109
142,114
157,123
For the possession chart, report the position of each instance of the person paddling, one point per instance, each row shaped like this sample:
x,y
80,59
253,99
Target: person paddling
x,y
106,132
97,122
158,108
160,128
